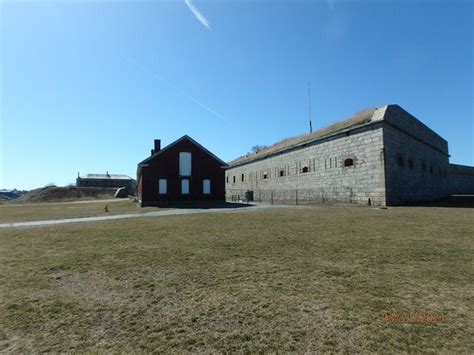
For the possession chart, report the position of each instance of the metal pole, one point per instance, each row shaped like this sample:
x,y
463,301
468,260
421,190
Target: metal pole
x,y
309,108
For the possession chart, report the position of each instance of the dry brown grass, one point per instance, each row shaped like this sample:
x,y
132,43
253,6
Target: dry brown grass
x,y
298,279
10,213
357,119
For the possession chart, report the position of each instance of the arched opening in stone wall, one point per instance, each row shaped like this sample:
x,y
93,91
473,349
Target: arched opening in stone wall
x,y
348,162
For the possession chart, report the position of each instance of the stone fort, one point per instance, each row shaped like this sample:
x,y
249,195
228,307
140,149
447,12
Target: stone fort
x,y
382,156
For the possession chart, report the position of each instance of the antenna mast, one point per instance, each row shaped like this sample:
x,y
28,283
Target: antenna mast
x,y
309,108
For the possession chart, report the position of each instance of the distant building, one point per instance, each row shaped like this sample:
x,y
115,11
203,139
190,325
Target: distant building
x,y
381,156
11,194
183,171
107,180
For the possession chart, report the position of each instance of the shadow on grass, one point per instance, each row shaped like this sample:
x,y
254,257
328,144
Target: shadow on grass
x,y
455,201
203,205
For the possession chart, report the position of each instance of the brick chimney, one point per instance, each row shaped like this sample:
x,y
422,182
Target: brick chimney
x,y
157,145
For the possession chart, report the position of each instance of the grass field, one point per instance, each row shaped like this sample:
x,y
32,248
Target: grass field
x,y
10,212
296,279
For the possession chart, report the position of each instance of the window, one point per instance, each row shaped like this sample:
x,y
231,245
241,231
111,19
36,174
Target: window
x,y
242,177
206,186
185,186
348,162
163,186
400,162
281,173
265,176
184,164
227,179
305,169
234,179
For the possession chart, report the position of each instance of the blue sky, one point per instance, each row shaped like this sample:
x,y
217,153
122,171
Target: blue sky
x,y
87,85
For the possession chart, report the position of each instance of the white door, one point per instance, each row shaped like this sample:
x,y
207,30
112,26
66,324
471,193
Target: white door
x,y
185,186
163,187
206,186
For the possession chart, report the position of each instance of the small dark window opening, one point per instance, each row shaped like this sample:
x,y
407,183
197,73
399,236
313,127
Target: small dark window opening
x,y
264,176
242,177
234,179
348,162
282,173
305,169
400,160
227,179
410,163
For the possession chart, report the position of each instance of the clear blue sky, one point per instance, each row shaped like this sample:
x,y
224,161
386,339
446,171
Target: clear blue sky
x,y
87,85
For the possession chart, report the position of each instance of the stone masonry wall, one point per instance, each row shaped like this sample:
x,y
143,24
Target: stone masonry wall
x,y
461,179
416,171
317,172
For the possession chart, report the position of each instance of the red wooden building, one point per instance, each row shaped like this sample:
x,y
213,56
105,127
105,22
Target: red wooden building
x,y
183,171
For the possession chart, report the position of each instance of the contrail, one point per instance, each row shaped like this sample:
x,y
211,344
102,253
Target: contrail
x,y
182,92
198,14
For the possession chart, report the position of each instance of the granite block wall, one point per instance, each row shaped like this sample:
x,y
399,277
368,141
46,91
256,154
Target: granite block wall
x,y
416,170
318,170
461,179
396,160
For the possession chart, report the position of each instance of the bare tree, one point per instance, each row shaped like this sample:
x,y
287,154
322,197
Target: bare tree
x,y
257,148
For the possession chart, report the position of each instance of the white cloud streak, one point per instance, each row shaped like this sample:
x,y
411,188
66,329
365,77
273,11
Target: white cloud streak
x,y
330,4
198,14
176,89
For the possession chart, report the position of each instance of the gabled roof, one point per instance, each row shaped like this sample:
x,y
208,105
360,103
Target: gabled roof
x,y
185,137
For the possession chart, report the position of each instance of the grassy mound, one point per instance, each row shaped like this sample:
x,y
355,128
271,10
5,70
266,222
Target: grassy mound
x,y
50,194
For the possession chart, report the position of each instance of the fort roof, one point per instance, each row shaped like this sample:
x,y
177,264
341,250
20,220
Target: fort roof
x,y
106,176
358,119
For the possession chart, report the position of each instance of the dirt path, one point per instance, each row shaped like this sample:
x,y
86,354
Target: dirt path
x,y
138,215
110,200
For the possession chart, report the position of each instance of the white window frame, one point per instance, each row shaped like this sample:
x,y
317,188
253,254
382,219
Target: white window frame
x,y
162,186
185,163
206,187
185,187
